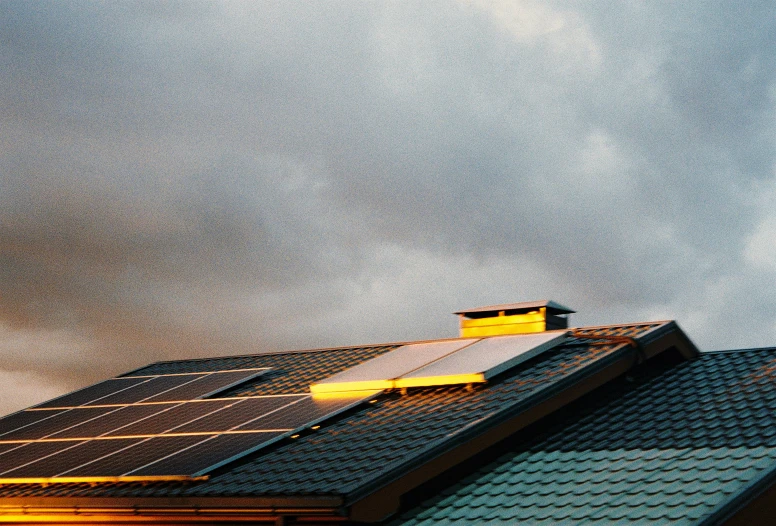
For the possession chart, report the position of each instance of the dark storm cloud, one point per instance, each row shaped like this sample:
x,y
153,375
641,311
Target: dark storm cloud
x,y
182,179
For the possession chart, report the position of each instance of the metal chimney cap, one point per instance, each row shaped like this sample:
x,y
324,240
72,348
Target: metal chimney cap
x,y
514,308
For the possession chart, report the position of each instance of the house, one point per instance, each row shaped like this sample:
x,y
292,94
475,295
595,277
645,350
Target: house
x,y
519,420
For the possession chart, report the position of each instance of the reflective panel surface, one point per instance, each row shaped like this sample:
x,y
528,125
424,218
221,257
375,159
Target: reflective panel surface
x,y
380,372
482,360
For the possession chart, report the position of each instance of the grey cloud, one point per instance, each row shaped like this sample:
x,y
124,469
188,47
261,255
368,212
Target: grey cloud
x,y
205,178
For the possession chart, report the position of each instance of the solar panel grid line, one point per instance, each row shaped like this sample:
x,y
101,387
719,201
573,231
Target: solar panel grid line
x,y
76,468
95,417
336,405
236,382
200,418
17,445
307,412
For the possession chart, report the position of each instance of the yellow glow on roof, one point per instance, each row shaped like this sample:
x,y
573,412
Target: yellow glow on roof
x,y
428,381
66,480
343,387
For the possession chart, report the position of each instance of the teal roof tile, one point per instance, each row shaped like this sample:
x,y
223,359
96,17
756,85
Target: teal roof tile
x,y
671,446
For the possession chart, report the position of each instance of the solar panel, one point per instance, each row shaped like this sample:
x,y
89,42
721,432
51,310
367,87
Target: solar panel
x,y
68,458
118,417
308,411
126,429
94,392
32,452
482,360
23,419
238,413
207,385
58,422
210,454
170,418
135,456
153,387
379,372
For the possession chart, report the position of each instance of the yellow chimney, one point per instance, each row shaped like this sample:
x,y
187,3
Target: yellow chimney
x,y
513,318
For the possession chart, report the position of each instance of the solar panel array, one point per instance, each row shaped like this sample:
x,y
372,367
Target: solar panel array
x,y
152,427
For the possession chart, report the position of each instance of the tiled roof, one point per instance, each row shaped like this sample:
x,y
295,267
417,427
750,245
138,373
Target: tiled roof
x,y
366,448
681,445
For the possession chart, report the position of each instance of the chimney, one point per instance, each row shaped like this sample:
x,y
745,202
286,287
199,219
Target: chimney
x,y
513,318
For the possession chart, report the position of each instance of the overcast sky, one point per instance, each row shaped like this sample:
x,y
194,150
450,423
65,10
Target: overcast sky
x,y
189,179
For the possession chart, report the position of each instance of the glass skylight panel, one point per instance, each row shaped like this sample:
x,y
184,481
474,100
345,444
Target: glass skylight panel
x,y
380,372
482,360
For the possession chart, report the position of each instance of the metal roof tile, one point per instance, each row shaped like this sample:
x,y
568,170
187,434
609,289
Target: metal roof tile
x,y
590,469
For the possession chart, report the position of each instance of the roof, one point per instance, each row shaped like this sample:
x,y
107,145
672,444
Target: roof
x,y
359,463
667,443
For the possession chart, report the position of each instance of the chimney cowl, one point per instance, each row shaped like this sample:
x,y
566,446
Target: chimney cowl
x,y
513,318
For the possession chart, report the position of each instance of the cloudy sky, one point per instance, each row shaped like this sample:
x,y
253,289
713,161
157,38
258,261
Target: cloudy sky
x,y
188,179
